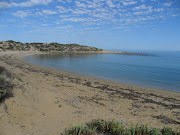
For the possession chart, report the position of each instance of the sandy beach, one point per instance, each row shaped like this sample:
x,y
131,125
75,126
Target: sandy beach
x,y
47,101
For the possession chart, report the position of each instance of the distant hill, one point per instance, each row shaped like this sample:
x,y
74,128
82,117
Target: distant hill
x,y
11,45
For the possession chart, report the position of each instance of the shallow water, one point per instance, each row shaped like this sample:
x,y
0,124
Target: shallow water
x,y
161,70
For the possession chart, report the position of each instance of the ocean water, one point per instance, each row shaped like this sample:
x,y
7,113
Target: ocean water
x,y
161,70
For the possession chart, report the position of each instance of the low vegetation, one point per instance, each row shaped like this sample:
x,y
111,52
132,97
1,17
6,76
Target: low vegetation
x,y
58,102
5,84
102,127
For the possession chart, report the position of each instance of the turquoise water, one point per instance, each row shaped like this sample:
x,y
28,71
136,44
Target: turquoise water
x,y
161,70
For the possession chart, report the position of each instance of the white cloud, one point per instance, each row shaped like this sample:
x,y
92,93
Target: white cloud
x,y
154,0
94,12
81,11
62,9
28,3
110,3
64,16
62,1
94,4
49,12
65,27
78,20
79,4
127,3
31,3
21,14
69,1
138,13
44,24
142,7
4,4
168,4
175,14
158,9
98,1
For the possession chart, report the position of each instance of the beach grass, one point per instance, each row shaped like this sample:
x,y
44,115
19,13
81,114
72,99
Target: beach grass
x,y
102,127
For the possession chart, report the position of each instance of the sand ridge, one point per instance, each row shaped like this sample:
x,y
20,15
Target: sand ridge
x,y
47,101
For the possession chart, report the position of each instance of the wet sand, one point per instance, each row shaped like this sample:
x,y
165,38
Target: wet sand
x,y
46,101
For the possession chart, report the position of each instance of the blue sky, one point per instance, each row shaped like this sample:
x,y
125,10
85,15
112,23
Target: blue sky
x,y
107,24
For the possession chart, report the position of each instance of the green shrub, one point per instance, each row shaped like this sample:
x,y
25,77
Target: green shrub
x,y
5,88
5,85
1,70
116,128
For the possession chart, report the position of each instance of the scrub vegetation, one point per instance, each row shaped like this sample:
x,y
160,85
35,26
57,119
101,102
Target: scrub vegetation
x,y
11,45
5,84
102,127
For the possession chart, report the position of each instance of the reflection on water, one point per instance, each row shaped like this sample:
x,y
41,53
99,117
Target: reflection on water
x,y
162,70
63,55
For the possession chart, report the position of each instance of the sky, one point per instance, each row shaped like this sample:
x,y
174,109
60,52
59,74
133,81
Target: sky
x,y
106,24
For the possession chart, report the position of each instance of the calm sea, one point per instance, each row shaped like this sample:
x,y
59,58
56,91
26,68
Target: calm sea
x,y
161,70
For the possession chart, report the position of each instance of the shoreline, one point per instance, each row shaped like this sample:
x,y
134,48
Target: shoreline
x,y
21,58
91,76
82,98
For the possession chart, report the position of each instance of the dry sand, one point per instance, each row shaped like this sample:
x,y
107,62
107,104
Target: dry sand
x,y
47,101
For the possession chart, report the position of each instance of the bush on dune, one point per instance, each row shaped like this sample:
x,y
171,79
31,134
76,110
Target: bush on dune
x,y
1,70
116,128
5,84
